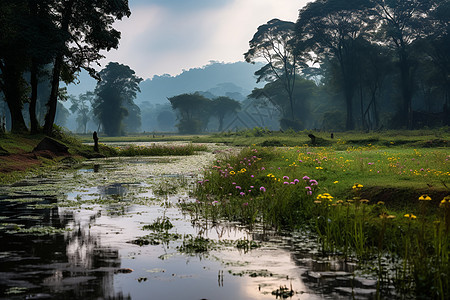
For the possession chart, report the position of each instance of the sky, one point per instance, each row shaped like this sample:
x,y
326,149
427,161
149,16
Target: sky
x,y
169,36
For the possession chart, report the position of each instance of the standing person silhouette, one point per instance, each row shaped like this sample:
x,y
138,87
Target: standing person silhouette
x,y
95,137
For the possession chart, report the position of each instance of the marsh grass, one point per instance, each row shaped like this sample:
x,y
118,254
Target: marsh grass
x,y
325,189
264,137
160,150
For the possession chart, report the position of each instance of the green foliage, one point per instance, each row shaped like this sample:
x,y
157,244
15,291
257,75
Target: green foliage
x,y
193,112
115,93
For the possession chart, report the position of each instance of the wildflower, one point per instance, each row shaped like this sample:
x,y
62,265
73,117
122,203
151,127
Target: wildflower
x,y
285,177
251,186
308,188
313,182
245,204
252,176
339,202
386,216
380,203
319,168
242,193
424,198
357,186
238,187
306,178
336,182
309,193
410,216
364,201
232,172
296,181
262,189
285,182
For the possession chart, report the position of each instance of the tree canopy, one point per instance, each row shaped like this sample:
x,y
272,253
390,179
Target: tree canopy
x,y
115,94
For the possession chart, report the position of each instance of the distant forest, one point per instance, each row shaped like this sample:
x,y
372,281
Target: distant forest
x,y
343,65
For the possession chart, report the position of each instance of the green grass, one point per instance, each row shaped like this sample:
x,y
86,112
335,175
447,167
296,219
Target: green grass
x,y
159,150
359,201
264,137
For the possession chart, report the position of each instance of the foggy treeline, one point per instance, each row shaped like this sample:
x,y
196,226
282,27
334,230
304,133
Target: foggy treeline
x,y
343,65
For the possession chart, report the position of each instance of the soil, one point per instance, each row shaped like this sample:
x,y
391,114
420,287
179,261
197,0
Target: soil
x,y
20,162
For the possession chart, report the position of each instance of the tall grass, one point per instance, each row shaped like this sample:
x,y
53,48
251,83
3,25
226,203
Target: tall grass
x,y
160,150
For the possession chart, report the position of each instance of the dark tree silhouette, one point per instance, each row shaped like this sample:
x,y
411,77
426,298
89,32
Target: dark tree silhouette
x,y
223,106
85,28
274,43
193,112
116,90
330,29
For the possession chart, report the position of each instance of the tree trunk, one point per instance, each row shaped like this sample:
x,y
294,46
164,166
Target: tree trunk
x,y
406,88
14,93
34,126
221,123
53,99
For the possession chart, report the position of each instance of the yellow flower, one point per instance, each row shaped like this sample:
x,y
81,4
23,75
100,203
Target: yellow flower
x,y
336,182
357,186
424,198
380,203
386,216
232,172
410,216
364,200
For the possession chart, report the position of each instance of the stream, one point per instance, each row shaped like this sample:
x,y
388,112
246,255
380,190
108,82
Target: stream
x,y
86,234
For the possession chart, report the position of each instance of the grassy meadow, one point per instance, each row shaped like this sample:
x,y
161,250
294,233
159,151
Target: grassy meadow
x,y
363,196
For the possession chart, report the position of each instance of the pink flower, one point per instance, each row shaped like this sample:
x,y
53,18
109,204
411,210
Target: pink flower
x,y
238,187
262,189
305,178
313,182
242,193
245,204
285,182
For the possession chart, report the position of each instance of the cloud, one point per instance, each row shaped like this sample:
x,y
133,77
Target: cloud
x,y
164,36
181,5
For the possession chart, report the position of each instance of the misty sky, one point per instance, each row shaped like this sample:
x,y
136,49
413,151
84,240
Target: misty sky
x,y
167,36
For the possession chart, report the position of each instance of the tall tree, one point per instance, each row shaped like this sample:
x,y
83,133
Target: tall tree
x,y
43,38
193,112
116,90
84,29
274,43
403,23
223,106
82,105
329,28
13,63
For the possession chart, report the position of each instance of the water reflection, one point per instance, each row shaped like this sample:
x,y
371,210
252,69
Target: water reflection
x,y
34,264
